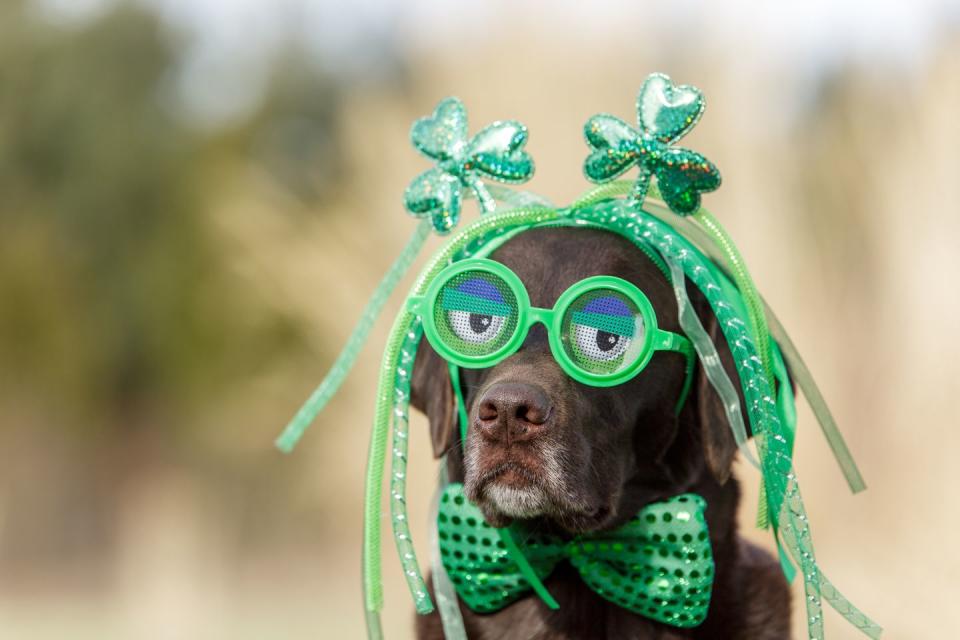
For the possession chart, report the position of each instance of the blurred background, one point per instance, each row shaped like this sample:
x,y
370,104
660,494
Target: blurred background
x,y
197,196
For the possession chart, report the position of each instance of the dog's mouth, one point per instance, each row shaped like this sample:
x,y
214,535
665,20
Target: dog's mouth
x,y
510,491
509,474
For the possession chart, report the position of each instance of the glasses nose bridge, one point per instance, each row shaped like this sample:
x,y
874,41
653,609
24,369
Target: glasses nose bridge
x,y
539,315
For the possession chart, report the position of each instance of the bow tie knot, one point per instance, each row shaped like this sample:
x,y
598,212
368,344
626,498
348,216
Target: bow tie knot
x,y
658,565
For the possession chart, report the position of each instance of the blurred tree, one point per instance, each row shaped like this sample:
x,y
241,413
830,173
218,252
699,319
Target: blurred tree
x,y
115,300
120,315
292,135
837,175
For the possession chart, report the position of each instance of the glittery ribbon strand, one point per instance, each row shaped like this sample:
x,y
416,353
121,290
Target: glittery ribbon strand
x,y
773,446
443,589
776,462
348,356
798,369
376,457
710,360
758,322
469,239
804,379
398,470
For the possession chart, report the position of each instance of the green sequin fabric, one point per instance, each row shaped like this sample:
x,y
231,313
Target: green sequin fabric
x,y
496,152
658,565
665,113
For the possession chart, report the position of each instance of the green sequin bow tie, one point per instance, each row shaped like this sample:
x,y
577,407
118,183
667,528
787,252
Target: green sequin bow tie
x,y
658,565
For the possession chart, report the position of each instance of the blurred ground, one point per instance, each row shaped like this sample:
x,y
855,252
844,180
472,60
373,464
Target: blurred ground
x,y
186,241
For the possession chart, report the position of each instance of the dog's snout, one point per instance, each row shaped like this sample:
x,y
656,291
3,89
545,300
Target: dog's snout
x,y
513,411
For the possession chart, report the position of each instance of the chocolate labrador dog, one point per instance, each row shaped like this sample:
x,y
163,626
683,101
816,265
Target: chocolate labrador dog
x,y
571,458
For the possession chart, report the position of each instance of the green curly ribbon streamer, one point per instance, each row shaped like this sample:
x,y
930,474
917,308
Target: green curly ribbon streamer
x,y
331,383
744,282
376,457
450,617
398,472
748,290
804,379
710,360
348,356
798,369
470,239
774,446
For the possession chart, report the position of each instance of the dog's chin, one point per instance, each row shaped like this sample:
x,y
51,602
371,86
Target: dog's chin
x,y
517,503
507,493
502,504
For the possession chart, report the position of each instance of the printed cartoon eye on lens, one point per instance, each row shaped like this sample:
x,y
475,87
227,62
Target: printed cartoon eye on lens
x,y
603,331
478,328
476,313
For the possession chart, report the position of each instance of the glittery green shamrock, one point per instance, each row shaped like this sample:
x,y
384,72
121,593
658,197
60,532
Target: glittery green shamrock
x,y
496,153
665,114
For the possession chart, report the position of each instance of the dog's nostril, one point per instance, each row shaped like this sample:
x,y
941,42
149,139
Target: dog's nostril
x,y
534,414
513,410
487,410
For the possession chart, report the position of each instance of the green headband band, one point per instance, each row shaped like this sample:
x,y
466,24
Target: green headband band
x,y
694,248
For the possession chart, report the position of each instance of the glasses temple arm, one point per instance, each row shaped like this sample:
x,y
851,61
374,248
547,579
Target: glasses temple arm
x,y
687,381
669,341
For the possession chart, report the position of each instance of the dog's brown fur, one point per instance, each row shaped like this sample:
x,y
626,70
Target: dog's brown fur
x,y
619,448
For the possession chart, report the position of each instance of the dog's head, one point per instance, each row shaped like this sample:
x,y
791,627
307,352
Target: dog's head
x,y
541,445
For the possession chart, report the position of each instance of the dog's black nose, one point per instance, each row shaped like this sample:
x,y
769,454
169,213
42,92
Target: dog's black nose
x,y
513,411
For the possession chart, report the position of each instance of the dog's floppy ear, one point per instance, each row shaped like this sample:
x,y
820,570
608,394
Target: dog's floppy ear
x,y
719,445
432,393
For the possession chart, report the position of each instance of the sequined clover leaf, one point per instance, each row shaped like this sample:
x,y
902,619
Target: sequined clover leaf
x,y
665,113
496,153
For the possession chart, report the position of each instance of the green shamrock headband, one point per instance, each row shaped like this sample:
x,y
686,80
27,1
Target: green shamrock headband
x,y
664,219
665,114
496,153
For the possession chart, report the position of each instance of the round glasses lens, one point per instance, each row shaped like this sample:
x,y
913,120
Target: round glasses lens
x,y
475,313
602,332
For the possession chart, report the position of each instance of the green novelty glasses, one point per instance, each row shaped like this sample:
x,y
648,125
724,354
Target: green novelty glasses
x,y
602,330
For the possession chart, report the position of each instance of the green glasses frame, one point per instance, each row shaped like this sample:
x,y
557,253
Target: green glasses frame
x,y
654,338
